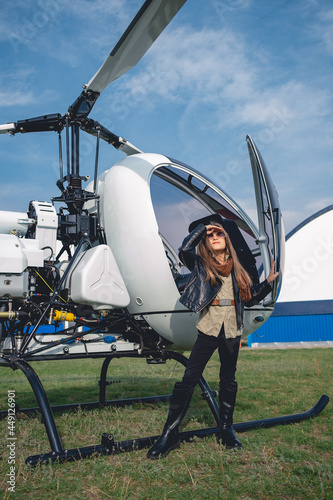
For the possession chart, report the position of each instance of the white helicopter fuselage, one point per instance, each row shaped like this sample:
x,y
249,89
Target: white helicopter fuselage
x,y
135,238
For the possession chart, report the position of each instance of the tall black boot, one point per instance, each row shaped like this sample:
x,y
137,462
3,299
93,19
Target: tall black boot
x,y
169,439
227,399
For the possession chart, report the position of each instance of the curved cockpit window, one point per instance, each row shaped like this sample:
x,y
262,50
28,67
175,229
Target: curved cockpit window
x,y
180,196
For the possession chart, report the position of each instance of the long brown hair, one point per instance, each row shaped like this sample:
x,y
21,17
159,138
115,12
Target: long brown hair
x,y
241,275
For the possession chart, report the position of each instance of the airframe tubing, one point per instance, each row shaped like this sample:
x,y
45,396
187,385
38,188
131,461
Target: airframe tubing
x,y
44,405
102,383
109,447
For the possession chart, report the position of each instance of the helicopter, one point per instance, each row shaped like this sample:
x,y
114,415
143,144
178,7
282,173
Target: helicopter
x,y
71,287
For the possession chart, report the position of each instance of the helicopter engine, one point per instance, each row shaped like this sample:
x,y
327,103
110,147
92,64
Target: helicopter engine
x,y
88,283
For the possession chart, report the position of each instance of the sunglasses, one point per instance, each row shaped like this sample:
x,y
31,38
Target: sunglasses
x,y
219,234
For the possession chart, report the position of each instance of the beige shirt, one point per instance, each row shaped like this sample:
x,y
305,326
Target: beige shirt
x,y
212,317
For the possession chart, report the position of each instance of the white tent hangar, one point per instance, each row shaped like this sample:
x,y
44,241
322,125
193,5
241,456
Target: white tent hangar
x,y
303,314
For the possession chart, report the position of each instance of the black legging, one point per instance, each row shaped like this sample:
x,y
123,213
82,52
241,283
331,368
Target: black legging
x,y
201,353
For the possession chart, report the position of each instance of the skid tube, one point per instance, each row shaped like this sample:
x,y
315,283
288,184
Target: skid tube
x,y
110,447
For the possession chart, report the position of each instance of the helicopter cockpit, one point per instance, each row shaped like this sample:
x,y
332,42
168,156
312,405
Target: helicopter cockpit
x,y
185,196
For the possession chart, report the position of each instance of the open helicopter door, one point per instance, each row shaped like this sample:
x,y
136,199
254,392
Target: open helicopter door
x,y
271,230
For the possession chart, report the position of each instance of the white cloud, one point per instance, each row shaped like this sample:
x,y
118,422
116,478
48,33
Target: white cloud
x,y
208,64
12,194
319,204
286,107
20,87
16,98
324,30
84,26
218,68
218,83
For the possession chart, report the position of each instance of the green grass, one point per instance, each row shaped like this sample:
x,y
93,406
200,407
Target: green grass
x,y
293,461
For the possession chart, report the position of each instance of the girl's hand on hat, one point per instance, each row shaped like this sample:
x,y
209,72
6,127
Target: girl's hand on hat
x,y
211,228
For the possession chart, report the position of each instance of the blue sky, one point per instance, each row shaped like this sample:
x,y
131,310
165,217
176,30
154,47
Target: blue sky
x,y
221,70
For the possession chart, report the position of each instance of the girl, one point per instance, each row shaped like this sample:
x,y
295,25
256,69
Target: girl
x,y
217,289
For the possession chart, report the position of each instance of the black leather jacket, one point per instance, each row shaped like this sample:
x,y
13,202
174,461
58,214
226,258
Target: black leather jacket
x,y
198,293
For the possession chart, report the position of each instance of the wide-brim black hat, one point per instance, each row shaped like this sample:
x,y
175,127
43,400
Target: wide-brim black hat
x,y
242,249
209,220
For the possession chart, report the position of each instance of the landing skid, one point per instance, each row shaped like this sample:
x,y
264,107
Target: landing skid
x,y
108,445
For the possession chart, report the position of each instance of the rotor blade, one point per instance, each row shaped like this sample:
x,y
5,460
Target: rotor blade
x,y
7,128
147,25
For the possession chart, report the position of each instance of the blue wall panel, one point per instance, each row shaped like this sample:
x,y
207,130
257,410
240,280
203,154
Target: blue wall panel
x,y
309,328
